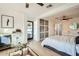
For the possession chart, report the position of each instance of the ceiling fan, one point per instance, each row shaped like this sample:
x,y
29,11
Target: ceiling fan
x,y
65,18
40,4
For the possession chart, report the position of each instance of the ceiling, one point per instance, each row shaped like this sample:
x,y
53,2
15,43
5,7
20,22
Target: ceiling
x,y
37,11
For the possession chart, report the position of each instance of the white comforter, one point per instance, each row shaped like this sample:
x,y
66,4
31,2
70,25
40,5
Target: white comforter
x,y
61,43
77,48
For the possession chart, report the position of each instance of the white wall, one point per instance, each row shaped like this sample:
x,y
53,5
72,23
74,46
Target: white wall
x,y
36,30
19,22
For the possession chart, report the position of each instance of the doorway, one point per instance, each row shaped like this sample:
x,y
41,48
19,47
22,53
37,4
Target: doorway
x,y
30,30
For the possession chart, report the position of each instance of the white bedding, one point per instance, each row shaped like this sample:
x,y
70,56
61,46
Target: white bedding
x,y
77,48
61,43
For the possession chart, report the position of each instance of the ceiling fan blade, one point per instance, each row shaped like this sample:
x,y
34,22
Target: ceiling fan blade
x,y
66,18
41,4
49,6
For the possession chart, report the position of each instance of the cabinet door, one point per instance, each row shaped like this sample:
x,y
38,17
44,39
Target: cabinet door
x,y
46,35
41,22
41,35
16,38
46,28
45,22
43,29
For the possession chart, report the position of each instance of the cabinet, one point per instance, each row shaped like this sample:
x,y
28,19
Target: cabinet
x,y
43,29
16,38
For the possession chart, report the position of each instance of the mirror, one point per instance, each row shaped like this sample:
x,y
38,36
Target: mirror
x,y
73,26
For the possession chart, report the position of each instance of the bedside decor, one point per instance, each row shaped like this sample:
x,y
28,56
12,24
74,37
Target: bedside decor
x,y
7,21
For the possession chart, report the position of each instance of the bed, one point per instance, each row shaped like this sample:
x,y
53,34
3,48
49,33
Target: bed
x,y
63,44
77,49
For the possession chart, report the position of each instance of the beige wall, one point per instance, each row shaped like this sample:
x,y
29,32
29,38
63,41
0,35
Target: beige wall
x,y
51,26
65,25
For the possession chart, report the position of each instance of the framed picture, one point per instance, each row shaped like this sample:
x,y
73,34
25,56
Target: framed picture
x,y
7,21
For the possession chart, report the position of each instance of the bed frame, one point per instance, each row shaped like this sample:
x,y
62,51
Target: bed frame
x,y
55,50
